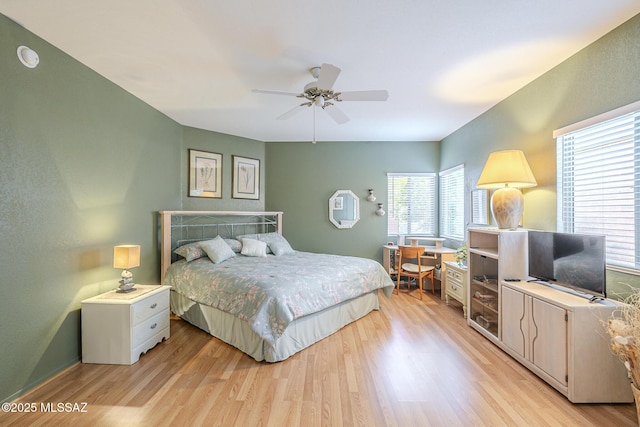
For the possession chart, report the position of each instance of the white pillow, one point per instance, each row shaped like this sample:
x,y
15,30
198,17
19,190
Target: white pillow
x,y
217,250
281,248
268,238
254,237
252,247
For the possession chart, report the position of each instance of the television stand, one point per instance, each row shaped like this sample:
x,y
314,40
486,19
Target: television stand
x,y
559,336
592,298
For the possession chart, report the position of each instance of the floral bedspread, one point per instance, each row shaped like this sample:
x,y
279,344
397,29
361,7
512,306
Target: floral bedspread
x,y
271,292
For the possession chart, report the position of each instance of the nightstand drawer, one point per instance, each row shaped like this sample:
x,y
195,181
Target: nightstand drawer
x,y
149,328
454,275
455,290
149,307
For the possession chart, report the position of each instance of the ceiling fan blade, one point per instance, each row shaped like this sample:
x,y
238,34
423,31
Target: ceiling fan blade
x,y
364,95
327,77
295,110
336,114
275,92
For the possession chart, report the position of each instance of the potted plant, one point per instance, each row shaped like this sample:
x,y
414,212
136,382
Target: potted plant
x,y
461,254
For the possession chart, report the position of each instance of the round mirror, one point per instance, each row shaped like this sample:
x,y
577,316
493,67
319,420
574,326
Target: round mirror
x,y
344,209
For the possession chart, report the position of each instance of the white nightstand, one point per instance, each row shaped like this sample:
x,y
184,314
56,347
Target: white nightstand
x,y
456,284
118,327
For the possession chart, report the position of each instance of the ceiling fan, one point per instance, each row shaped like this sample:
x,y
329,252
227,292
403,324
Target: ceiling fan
x,y
320,93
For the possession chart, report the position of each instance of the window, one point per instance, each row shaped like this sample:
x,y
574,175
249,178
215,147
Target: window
x,y
411,204
452,203
599,182
479,206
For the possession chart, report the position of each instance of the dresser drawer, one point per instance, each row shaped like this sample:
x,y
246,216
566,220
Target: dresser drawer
x,y
455,290
149,328
150,307
453,275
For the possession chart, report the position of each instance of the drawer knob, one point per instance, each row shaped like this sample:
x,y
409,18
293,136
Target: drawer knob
x,y
154,326
154,305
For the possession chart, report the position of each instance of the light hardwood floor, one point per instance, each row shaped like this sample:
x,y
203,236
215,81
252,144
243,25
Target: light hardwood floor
x,y
413,363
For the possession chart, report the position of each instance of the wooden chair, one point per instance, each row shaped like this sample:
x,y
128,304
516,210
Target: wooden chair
x,y
406,267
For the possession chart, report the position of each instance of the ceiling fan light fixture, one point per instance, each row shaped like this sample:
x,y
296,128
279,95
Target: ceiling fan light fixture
x,y
315,72
319,93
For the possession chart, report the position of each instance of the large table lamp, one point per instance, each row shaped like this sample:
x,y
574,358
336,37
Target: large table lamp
x,y
507,171
126,257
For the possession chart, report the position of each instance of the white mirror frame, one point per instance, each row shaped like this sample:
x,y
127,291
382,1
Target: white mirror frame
x,y
336,203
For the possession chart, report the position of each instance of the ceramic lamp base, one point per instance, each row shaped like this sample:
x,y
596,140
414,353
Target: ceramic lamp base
x,y
126,284
507,205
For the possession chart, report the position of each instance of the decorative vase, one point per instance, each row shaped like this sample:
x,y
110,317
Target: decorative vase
x,y
636,395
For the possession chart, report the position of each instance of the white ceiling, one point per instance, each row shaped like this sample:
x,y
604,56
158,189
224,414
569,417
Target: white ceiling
x,y
444,62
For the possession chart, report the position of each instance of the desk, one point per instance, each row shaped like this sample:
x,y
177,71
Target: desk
x,y
433,241
432,256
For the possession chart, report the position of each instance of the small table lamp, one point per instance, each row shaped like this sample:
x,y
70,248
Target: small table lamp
x,y
507,171
126,256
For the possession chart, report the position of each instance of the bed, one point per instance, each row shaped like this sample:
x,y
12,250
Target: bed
x,y
270,307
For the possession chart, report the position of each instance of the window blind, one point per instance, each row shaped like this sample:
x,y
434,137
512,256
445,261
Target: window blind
x,y
599,185
452,203
479,206
411,204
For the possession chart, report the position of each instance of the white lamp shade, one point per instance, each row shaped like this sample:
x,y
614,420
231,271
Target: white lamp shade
x,y
508,168
126,256
507,171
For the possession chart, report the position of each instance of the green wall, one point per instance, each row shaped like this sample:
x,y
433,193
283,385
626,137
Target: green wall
x,y
84,166
599,78
301,178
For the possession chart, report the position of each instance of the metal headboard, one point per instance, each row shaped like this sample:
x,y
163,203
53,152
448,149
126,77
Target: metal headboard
x,y
180,227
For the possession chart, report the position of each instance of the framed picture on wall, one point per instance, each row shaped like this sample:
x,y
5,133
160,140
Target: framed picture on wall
x,y
246,178
205,174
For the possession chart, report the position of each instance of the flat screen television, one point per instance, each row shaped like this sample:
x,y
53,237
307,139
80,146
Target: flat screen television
x,y
574,261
